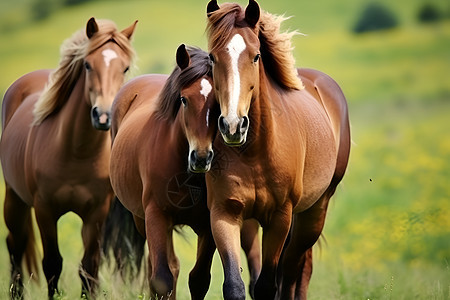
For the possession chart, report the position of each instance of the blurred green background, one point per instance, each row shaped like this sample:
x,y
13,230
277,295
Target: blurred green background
x,y
387,234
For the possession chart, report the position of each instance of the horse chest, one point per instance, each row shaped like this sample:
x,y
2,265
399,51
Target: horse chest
x,y
63,196
272,189
71,194
71,184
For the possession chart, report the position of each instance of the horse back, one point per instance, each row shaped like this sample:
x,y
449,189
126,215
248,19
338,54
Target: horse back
x,y
133,95
23,87
329,94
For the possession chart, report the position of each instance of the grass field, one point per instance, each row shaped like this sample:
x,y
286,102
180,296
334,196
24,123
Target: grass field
x,y
387,234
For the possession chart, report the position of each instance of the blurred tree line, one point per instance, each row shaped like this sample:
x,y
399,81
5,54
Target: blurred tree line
x,y
375,16
41,9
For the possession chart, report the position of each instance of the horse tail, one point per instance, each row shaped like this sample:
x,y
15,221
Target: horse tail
x,y
123,238
31,263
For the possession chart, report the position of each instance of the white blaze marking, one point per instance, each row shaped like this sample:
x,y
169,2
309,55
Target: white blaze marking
x,y
235,47
109,55
207,118
206,88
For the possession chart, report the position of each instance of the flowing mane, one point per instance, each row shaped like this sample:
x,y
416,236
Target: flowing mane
x,y
276,47
168,100
73,50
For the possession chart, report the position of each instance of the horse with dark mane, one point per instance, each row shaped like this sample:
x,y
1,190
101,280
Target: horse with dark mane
x,y
284,148
163,129
55,151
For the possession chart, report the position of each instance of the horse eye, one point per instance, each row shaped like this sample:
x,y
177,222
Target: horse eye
x,y
183,100
256,58
126,69
211,58
87,66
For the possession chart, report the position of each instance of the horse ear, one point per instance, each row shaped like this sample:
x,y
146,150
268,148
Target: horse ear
x,y
252,13
183,59
212,7
91,27
128,32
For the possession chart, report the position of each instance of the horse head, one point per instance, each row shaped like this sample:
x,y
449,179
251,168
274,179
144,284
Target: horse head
x,y
105,68
199,111
235,55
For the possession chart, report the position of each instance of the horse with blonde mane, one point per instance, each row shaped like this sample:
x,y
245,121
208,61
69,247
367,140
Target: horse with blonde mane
x,y
55,151
285,147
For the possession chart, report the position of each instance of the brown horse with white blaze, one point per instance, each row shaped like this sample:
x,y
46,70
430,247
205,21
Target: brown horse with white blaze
x,y
285,148
55,150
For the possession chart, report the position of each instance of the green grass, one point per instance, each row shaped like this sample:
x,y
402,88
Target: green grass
x,y
387,231
389,219
404,63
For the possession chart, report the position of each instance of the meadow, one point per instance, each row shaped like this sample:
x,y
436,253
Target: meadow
x,y
387,234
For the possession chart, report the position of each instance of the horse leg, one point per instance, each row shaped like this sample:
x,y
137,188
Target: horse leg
x,y
252,248
200,276
17,217
226,230
174,263
297,258
157,227
91,235
274,237
52,261
302,284
140,225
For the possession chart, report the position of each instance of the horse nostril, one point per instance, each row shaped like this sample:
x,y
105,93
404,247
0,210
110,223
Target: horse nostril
x,y
209,157
245,123
193,156
101,120
223,125
95,113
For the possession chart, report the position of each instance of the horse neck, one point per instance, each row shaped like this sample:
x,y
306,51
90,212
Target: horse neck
x,y
261,113
75,126
178,135
174,136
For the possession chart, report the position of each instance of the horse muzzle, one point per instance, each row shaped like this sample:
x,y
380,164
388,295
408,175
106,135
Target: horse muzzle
x,y
234,134
101,120
200,163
